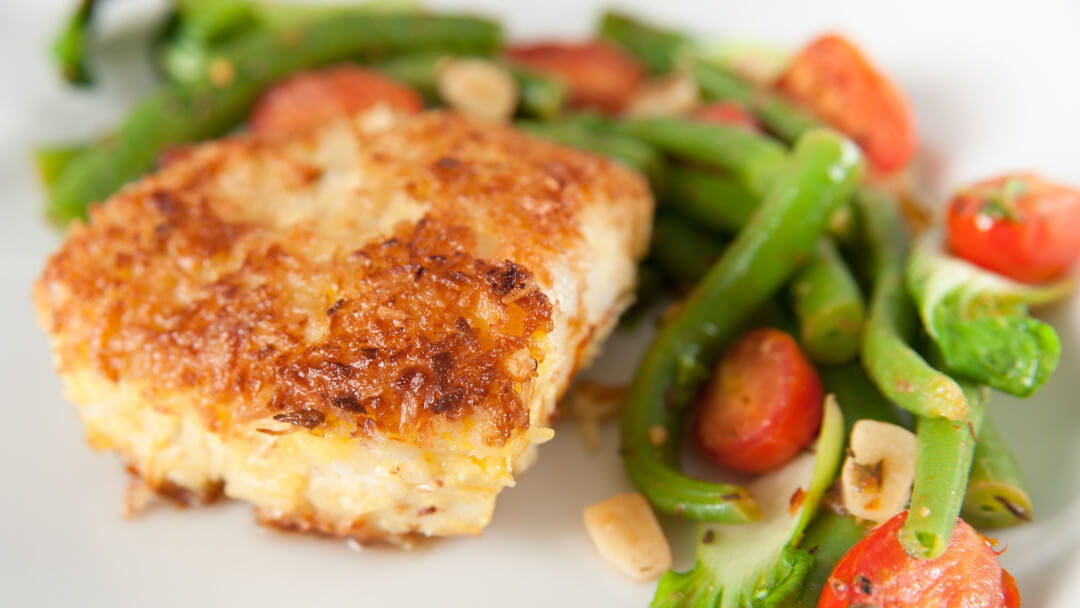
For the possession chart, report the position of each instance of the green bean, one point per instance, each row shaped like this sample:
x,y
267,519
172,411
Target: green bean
x,y
823,172
716,202
650,286
829,306
286,14
831,535
943,456
542,97
896,368
417,70
826,297
780,117
51,160
828,538
633,153
680,249
996,495
754,159
661,50
858,398
69,51
665,50
184,113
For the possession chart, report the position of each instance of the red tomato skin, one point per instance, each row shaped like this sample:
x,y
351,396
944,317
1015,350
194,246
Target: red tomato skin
x,y
763,405
598,74
833,78
307,99
877,572
727,113
1041,240
1008,587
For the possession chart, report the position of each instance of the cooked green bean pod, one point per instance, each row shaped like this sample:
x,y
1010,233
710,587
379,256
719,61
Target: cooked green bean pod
x,y
896,368
996,494
944,452
189,112
823,172
829,306
682,251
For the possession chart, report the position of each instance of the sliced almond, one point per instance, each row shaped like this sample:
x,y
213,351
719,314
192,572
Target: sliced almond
x,y
625,532
878,473
477,87
666,96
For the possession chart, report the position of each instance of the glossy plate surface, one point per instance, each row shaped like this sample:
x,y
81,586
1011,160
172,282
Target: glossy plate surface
x,y
994,89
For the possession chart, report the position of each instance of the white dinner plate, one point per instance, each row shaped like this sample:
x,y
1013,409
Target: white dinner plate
x,y
994,88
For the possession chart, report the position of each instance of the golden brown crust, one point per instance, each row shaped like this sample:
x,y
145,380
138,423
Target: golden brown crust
x,y
227,276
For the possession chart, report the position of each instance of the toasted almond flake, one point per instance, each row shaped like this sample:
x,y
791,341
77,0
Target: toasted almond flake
x,y
628,537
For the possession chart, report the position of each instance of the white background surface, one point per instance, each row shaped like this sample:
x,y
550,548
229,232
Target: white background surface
x,y
994,87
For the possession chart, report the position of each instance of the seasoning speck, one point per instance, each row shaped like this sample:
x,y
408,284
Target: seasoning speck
x,y
221,72
657,435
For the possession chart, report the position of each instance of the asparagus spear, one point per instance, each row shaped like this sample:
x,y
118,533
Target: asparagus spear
x,y
823,172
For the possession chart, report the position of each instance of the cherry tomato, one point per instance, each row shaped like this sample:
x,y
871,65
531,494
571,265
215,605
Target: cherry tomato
x,y
598,74
1021,226
877,572
837,82
1008,587
763,406
727,113
310,98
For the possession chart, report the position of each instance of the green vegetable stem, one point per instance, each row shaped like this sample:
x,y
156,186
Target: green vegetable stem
x,y
633,153
996,495
823,172
69,47
829,307
220,99
943,457
682,251
896,368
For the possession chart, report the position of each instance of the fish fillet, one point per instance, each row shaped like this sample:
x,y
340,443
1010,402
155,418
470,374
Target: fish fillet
x,y
361,330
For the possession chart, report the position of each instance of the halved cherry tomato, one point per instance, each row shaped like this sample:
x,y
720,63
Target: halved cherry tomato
x,y
763,406
838,83
727,113
1008,587
310,98
1021,226
598,74
877,572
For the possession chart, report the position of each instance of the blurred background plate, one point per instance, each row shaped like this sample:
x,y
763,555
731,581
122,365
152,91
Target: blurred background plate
x,y
993,87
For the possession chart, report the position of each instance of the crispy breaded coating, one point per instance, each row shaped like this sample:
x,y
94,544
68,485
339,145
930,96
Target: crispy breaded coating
x,y
362,330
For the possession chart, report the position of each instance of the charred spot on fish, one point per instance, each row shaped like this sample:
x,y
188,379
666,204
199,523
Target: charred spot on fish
x,y
308,419
334,307
447,162
508,277
446,402
348,401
